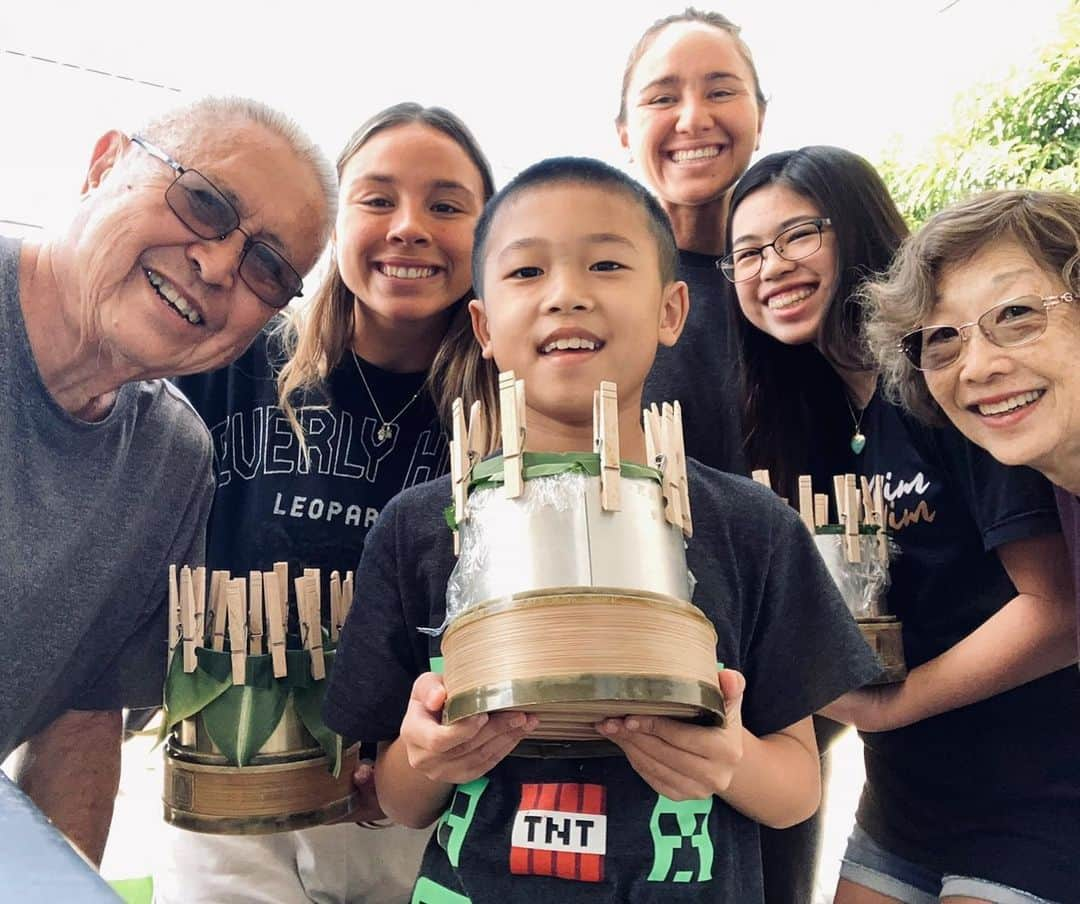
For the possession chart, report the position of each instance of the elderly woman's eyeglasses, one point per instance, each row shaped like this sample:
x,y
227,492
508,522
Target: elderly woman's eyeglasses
x,y
793,244
205,210
1017,321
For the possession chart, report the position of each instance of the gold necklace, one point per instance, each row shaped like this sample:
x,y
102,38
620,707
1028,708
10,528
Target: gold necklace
x,y
385,426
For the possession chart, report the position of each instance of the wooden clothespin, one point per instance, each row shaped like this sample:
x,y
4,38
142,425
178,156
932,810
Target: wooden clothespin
x,y
275,624
669,444
199,577
821,509
307,606
236,603
187,618
459,468
851,525
806,501
281,569
511,416
335,605
477,446
650,421
877,492
761,475
606,443
255,613
348,590
684,480
219,584
174,610
839,493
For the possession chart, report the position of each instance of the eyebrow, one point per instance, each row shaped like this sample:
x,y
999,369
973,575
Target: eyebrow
x,y
1010,275
668,80
593,238
787,224
387,179
262,235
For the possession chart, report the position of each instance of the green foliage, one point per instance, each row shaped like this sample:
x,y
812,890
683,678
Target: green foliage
x,y
1022,133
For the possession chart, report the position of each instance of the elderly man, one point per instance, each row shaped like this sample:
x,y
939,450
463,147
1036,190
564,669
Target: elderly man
x,y
189,236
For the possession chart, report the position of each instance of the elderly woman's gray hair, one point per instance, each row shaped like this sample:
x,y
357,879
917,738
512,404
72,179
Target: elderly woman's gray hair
x,y
1045,224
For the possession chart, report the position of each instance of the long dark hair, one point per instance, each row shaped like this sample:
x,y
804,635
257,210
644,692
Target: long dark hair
x,y
795,416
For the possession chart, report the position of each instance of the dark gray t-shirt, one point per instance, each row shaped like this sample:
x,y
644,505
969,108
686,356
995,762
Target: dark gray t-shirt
x,y
91,516
779,620
703,369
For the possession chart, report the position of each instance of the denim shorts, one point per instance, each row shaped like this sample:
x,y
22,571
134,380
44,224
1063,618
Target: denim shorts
x,y
868,864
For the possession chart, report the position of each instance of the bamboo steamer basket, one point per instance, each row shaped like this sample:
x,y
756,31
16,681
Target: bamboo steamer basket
x,y
862,584
575,613
286,786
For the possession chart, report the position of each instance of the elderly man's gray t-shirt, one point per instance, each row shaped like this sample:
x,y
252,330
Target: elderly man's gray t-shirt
x,y
91,516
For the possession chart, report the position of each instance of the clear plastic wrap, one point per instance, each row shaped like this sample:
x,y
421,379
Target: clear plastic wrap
x,y
556,536
862,584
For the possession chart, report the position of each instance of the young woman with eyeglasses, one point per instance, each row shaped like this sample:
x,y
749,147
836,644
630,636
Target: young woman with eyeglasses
x,y
971,787
320,423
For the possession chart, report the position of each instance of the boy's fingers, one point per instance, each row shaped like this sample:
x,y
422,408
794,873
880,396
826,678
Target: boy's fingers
x,y
732,686
430,691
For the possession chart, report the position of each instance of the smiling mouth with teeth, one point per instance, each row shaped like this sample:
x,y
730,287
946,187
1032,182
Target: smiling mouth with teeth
x,y
689,156
168,293
786,299
573,343
1009,405
406,272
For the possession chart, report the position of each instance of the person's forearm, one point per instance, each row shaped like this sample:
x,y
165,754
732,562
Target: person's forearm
x,y
778,781
407,796
1029,637
71,771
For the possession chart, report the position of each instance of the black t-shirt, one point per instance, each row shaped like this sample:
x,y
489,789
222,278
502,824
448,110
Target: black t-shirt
x,y
272,505
779,620
702,370
993,789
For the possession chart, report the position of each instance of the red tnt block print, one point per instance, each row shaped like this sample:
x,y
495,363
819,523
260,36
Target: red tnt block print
x,y
560,830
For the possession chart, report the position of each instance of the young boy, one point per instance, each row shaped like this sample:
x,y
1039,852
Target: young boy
x,y
574,249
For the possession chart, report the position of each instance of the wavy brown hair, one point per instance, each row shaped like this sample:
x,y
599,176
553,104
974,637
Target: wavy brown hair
x,y
1045,224
315,339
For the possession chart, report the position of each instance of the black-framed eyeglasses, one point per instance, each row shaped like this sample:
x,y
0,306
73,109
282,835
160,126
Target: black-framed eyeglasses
x,y
1017,321
793,244
205,210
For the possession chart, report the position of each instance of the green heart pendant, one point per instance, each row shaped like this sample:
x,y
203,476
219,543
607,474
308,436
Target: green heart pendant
x,y
858,443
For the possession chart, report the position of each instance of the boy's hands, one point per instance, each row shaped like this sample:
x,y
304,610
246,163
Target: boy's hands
x,y
681,761
460,752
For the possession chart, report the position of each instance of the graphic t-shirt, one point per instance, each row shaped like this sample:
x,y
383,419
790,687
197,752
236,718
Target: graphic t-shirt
x,y
702,369
273,504
989,790
591,829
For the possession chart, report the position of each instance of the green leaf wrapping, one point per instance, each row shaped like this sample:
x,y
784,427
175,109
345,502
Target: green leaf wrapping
x,y
240,720
188,693
308,702
546,464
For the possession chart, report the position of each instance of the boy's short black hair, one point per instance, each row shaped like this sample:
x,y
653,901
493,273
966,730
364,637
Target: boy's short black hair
x,y
582,171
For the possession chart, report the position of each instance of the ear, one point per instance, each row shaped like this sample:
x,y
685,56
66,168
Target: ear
x,y
107,151
624,138
760,127
674,307
478,315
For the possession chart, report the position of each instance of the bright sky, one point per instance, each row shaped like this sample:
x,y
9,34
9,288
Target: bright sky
x,y
530,79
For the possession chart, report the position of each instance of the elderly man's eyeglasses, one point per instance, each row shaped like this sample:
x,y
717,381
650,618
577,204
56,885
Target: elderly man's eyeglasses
x,y
1017,321
793,244
205,210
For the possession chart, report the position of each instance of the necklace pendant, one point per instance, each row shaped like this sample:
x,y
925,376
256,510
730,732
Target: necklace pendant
x,y
383,433
858,442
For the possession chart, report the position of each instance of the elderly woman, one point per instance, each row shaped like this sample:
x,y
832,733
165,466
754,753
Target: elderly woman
x,y
979,321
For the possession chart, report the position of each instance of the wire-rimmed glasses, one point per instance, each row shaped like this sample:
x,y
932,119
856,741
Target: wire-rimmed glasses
x,y
205,210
